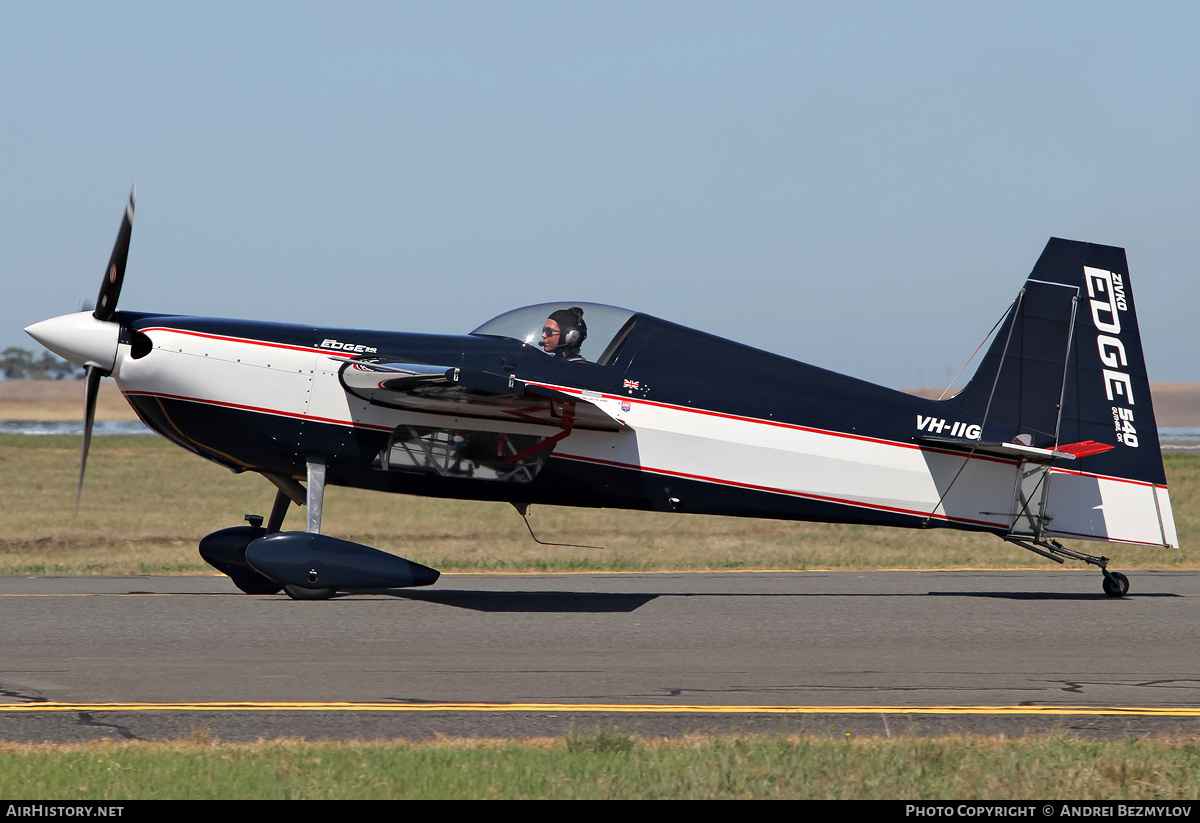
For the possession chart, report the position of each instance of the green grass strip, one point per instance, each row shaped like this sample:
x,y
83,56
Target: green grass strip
x,y
610,764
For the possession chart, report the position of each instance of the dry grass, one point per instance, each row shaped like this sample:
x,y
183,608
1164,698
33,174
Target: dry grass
x,y
147,504
59,400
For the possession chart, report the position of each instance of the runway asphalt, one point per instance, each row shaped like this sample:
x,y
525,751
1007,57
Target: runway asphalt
x,y
878,653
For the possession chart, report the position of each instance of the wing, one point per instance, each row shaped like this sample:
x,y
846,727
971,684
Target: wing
x,y
464,392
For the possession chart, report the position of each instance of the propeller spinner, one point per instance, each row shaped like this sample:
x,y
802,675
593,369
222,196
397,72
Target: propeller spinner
x,y
89,339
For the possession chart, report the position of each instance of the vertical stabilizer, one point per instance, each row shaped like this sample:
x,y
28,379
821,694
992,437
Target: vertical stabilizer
x,y
1066,367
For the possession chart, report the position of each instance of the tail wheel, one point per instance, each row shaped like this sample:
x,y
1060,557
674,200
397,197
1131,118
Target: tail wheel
x,y
1115,584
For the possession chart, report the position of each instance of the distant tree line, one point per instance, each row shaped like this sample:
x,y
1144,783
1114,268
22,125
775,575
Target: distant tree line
x,y
19,364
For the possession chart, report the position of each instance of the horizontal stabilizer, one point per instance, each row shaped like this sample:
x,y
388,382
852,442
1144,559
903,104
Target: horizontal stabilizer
x,y
997,448
1085,448
1073,451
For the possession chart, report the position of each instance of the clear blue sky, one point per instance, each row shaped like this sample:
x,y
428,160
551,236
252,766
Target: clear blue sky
x,y
862,186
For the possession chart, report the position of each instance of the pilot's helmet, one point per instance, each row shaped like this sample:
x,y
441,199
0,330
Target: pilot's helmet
x,y
573,331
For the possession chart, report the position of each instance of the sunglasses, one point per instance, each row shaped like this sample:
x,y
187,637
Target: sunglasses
x,y
549,332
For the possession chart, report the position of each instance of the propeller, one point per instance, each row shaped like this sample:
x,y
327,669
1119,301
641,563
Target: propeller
x,y
91,391
106,306
114,274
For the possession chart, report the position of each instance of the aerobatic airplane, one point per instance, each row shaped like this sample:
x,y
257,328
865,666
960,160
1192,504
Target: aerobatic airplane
x,y
580,404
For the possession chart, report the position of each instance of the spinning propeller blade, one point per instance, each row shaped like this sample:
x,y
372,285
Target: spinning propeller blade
x,y
106,306
114,274
91,391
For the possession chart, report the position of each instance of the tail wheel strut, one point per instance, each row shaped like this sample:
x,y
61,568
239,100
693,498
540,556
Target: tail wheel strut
x,y
1115,584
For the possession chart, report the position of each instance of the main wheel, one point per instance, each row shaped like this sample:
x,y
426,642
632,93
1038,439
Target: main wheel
x,y
254,583
1116,584
301,593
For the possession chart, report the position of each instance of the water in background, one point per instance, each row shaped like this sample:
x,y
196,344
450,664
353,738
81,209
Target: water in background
x,y
72,427
1171,438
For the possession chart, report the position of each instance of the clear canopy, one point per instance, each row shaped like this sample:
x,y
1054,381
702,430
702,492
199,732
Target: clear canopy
x,y
525,324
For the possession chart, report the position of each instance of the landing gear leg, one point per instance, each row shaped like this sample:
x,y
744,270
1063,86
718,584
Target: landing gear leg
x,y
1115,583
278,512
314,501
315,498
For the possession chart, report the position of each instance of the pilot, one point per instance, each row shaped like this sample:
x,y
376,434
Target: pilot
x,y
563,333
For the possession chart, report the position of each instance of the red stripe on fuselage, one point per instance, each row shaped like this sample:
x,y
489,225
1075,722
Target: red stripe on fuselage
x,y
577,391
267,343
